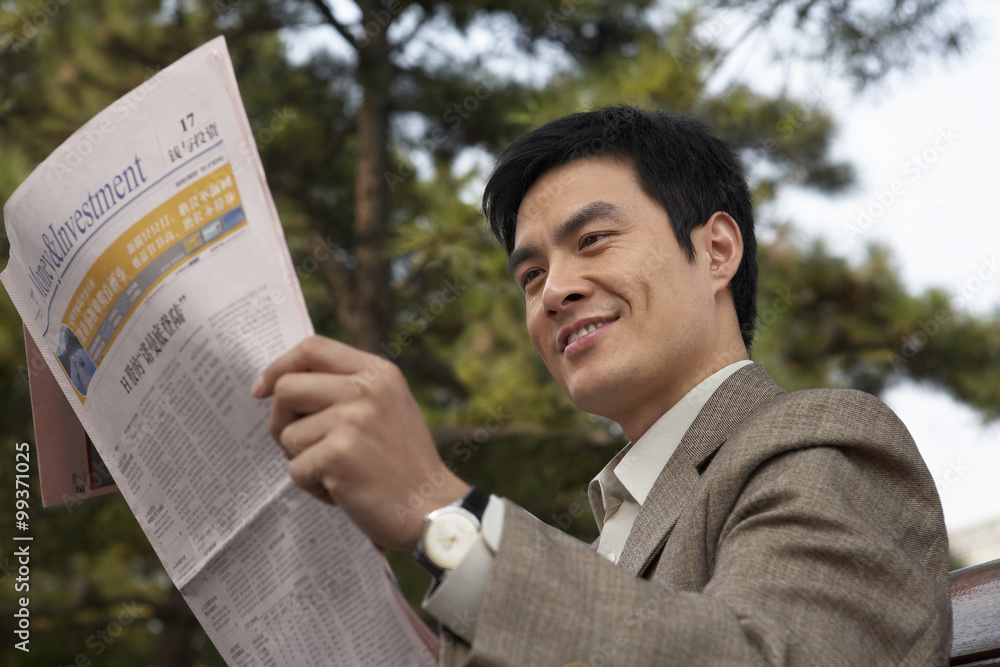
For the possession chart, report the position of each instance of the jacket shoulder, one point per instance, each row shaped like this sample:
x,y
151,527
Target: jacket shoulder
x,y
830,417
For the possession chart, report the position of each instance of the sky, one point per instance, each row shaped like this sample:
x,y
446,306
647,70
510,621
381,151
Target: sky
x,y
925,147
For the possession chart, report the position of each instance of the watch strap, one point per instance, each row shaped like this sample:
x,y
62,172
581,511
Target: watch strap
x,y
426,563
475,502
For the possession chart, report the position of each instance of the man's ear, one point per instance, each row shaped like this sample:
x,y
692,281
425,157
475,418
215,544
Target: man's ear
x,y
725,249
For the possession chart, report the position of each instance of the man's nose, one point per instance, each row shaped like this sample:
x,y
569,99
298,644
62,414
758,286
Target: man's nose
x,y
563,286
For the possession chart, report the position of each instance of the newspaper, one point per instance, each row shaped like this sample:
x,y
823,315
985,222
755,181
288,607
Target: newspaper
x,y
150,268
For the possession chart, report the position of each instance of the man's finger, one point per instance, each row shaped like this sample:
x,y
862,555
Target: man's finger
x,y
314,354
298,394
303,433
310,471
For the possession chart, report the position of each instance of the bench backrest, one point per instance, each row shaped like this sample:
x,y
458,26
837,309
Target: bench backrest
x,y
975,602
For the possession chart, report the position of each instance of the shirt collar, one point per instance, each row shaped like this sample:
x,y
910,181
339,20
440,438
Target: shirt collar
x,y
634,470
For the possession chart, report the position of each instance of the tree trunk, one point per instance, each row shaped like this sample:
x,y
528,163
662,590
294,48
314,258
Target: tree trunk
x,y
179,627
371,278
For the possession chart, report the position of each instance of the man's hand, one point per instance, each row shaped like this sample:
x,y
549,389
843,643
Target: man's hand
x,y
357,438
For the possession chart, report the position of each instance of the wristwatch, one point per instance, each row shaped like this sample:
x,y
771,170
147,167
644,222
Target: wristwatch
x,y
449,532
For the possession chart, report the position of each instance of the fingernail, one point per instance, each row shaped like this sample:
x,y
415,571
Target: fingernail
x,y
257,388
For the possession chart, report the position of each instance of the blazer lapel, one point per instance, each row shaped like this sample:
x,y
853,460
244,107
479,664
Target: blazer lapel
x,y
659,513
737,397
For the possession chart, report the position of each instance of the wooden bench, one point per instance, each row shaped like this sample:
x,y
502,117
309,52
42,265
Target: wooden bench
x,y
975,602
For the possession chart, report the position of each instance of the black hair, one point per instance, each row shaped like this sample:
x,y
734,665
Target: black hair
x,y
680,163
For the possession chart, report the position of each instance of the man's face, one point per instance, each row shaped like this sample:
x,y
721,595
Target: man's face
x,y
620,316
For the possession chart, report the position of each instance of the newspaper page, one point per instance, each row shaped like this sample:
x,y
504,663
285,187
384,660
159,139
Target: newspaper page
x,y
150,268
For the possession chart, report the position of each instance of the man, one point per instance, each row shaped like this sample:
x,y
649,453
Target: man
x,y
742,525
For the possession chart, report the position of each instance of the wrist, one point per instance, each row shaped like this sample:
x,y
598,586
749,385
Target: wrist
x,y
449,491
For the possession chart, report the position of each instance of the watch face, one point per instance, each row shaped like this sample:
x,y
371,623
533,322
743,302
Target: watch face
x,y
449,535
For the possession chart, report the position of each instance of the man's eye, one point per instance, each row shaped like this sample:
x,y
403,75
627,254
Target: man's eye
x,y
529,275
591,239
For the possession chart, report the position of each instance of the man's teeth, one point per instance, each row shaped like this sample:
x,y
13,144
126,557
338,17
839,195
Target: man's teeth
x,y
583,331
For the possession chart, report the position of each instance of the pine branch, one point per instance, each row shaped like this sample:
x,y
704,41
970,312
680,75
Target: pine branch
x,y
328,16
401,43
90,605
446,435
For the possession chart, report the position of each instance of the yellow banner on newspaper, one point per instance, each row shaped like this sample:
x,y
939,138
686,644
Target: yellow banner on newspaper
x,y
184,225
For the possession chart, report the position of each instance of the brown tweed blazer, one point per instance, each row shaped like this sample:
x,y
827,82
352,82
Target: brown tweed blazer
x,y
798,528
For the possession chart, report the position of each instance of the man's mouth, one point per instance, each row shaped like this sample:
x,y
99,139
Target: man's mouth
x,y
583,330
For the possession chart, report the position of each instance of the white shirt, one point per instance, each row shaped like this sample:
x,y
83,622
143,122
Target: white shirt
x,y
616,496
618,491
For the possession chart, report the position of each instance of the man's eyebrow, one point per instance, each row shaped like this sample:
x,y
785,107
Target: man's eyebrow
x,y
597,209
520,255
